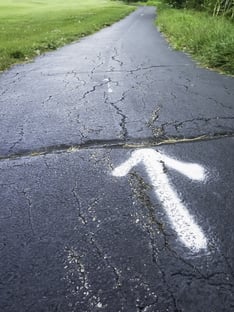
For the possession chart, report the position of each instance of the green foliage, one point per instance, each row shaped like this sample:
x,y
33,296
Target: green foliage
x,y
133,1
158,3
176,3
216,7
210,39
28,28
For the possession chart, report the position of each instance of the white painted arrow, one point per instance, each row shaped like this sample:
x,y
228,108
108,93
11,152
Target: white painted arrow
x,y
183,223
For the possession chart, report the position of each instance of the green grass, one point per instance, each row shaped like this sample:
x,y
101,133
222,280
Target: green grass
x,y
209,39
28,28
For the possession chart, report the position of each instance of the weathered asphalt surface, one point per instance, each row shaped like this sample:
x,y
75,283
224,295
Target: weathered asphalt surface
x,y
73,237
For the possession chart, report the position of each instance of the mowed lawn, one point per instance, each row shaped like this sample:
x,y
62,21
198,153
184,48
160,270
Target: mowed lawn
x,y
28,28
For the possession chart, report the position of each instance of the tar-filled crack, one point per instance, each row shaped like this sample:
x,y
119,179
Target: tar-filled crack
x,y
141,191
115,143
109,264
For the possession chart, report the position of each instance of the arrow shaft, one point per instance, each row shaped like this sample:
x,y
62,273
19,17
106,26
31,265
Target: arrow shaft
x,y
183,223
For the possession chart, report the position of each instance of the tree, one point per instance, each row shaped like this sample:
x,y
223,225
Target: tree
x,y
215,7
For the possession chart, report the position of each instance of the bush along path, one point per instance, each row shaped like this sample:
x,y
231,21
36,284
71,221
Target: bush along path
x,y
207,37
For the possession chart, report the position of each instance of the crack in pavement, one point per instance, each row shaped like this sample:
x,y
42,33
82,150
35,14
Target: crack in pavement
x,y
219,103
176,309
131,71
75,260
140,189
194,273
115,143
114,57
178,124
77,198
103,256
192,276
145,307
94,88
99,57
30,205
160,131
11,83
124,131
228,265
21,134
156,131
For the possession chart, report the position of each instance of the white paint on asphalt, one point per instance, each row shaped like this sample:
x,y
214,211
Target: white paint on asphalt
x,y
192,171
190,234
110,90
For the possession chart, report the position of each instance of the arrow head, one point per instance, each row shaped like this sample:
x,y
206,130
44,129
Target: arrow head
x,y
192,171
188,231
141,155
125,167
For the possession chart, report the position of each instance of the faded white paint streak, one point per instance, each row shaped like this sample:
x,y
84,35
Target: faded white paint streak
x,y
110,90
183,223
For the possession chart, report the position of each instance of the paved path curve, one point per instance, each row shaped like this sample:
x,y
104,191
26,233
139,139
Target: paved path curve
x,y
112,148
120,85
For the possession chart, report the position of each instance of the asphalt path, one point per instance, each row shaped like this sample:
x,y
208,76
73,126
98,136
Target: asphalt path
x,y
116,161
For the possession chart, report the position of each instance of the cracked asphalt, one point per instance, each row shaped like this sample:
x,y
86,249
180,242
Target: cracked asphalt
x,y
73,237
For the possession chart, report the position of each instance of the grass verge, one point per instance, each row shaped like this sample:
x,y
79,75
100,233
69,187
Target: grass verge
x,y
30,27
210,40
